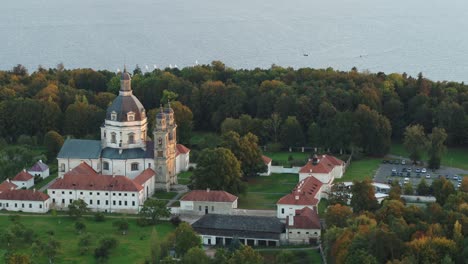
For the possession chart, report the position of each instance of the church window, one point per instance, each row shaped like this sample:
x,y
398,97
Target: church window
x,y
105,165
62,167
134,166
170,135
131,116
113,116
149,165
113,138
131,138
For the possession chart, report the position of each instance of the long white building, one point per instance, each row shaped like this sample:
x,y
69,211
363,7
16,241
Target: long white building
x,y
30,201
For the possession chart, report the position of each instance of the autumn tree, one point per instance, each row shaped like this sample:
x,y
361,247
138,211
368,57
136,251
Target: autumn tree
x,y
436,147
415,141
196,255
363,196
246,255
218,169
185,239
337,215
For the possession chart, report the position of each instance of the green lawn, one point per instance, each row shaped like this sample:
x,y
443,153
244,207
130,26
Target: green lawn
x,y
322,206
360,169
283,157
184,177
132,248
304,256
164,195
454,157
264,192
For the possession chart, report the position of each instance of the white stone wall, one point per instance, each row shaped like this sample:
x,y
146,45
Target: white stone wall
x,y
43,174
65,165
182,162
195,207
281,169
323,177
122,131
103,201
268,172
24,184
301,236
25,206
284,210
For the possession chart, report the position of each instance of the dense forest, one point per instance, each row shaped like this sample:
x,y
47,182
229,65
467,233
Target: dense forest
x,y
330,109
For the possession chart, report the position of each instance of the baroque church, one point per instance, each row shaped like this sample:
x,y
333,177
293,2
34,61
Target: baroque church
x,y
124,148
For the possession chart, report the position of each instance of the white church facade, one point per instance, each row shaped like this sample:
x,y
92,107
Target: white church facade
x,y
124,148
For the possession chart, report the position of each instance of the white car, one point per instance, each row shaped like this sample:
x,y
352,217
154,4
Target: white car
x,y
406,180
423,170
403,162
393,170
428,176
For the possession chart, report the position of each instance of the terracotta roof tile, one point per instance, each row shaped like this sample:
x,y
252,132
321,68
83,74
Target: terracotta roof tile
x,y
144,176
7,185
305,218
325,165
23,176
182,149
23,195
304,193
266,159
83,169
209,196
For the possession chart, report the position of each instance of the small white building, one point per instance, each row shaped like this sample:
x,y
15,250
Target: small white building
x,y
267,162
182,158
39,169
7,185
323,167
30,201
23,180
208,202
307,193
303,227
104,193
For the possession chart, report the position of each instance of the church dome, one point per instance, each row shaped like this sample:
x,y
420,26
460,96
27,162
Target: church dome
x,y
126,108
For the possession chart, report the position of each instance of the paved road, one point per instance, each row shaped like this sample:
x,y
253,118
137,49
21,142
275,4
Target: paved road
x,y
45,187
384,172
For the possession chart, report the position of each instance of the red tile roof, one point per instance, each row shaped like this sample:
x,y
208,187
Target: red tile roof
x,y
304,193
209,196
144,176
39,166
266,159
182,149
23,176
325,165
23,195
7,185
83,177
305,218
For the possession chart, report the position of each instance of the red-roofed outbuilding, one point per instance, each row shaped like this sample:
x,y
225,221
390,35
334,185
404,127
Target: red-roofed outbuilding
x,y
208,201
303,227
23,180
323,167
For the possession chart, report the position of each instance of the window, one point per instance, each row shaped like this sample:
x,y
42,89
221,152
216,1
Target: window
x,y
98,202
134,166
90,201
70,193
40,206
113,202
113,138
30,205
133,203
71,200
113,116
63,201
113,194
53,192
125,194
120,194
22,205
131,116
125,203
131,138
63,192
81,193
105,165
199,208
133,195
97,193
53,200
282,210
105,194
120,202
107,202
62,167
307,233
149,165
298,232
90,193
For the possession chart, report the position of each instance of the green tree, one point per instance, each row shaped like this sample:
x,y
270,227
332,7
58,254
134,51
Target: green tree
x,y
184,119
185,239
53,141
436,147
291,133
218,169
153,210
77,208
155,247
442,189
246,255
423,188
273,125
168,96
415,141
372,131
196,255
363,196
84,244
408,188
18,258
360,257
121,225
284,257
51,249
80,226
106,245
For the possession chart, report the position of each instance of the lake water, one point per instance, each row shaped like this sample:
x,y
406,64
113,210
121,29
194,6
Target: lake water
x,y
428,36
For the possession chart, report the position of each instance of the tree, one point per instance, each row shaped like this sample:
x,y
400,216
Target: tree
x,y
363,196
155,247
436,147
196,255
153,210
77,208
372,131
360,257
106,245
80,227
218,169
408,188
50,249
291,133
18,258
442,188
415,141
423,188
273,126
84,243
185,239
53,141
184,119
337,215
121,225
284,257
464,184
246,255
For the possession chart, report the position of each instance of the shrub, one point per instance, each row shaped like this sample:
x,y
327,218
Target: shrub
x,y
99,217
24,140
274,147
175,220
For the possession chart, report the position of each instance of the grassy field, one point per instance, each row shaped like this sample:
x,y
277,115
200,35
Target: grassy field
x,y
305,256
361,169
454,157
283,157
184,177
164,195
264,192
132,248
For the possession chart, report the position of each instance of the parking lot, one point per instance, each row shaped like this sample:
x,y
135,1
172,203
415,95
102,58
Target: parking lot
x,y
395,170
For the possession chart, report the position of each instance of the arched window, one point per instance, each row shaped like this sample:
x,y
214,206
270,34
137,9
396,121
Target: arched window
x,y
62,167
131,138
134,166
131,116
113,116
113,138
105,165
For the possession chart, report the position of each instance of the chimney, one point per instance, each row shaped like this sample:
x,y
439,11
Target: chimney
x,y
291,220
24,170
34,190
207,189
40,161
11,189
8,180
296,197
113,175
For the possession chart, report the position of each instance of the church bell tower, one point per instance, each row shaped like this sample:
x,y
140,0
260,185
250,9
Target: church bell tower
x,y
165,147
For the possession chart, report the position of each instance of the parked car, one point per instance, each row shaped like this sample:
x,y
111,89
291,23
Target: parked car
x,y
406,180
428,176
455,177
408,170
394,170
408,174
403,162
418,170
423,170
384,161
400,174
